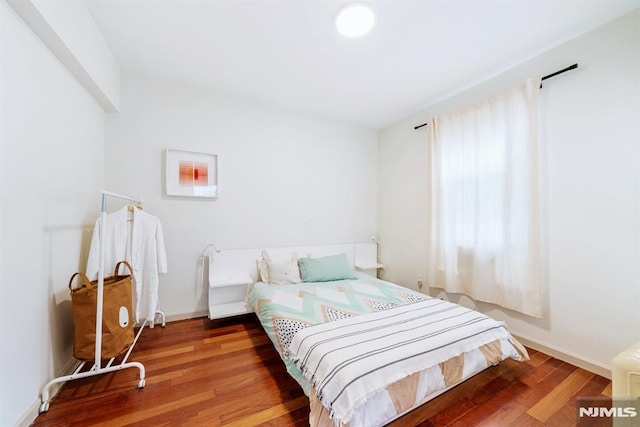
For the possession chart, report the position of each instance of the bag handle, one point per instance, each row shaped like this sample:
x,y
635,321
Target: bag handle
x,y
84,277
115,271
86,280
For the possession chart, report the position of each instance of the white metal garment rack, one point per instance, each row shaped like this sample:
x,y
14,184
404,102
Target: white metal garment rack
x,y
97,368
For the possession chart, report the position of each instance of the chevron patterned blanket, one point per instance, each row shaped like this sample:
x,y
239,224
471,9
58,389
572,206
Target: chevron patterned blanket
x,y
288,314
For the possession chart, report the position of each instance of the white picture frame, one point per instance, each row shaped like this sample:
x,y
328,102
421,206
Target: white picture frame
x,y
191,174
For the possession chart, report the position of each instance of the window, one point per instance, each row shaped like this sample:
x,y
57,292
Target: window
x,y
484,201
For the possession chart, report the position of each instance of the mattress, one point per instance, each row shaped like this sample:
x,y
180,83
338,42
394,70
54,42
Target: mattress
x,y
284,310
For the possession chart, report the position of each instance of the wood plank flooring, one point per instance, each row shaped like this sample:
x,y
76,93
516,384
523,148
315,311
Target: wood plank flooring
x,y
226,373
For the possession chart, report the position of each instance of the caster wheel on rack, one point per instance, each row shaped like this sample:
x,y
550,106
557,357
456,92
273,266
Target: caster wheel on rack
x,y
141,383
44,407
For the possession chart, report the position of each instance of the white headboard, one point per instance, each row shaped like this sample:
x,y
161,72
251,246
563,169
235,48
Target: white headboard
x,y
236,263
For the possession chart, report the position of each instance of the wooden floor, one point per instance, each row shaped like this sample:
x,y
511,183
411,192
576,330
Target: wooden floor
x,y
226,373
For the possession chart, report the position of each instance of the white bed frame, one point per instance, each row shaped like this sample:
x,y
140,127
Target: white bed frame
x,y
234,271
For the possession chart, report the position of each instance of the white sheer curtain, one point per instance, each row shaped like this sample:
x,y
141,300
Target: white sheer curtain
x,y
485,239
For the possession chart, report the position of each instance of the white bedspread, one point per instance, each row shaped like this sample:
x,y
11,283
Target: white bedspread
x,y
349,360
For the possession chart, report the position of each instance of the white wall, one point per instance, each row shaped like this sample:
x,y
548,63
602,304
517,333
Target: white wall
x,y
51,133
591,152
285,178
68,30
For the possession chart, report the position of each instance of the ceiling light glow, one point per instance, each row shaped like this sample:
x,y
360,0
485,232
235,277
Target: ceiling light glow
x,y
355,20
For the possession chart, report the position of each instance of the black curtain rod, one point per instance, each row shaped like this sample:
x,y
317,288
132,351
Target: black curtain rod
x,y
564,70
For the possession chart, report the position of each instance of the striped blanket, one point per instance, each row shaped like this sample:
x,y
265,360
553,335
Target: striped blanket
x,y
349,360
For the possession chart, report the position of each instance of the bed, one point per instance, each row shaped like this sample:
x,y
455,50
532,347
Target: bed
x,y
366,351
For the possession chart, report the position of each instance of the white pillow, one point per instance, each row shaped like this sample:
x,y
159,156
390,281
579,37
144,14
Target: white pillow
x,y
280,271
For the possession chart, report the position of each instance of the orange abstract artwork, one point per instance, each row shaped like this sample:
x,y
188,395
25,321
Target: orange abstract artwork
x,y
194,173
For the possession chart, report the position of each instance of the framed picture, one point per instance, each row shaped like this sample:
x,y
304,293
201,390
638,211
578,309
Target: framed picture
x,y
191,174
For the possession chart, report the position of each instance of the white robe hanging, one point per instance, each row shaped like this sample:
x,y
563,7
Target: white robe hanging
x,y
147,255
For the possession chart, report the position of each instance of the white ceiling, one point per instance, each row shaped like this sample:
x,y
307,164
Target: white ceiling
x,y
287,52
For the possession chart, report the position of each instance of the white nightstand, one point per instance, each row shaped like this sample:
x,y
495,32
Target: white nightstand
x,y
370,269
366,258
227,296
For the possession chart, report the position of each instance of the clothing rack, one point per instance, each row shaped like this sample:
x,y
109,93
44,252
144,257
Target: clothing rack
x,y
548,76
97,368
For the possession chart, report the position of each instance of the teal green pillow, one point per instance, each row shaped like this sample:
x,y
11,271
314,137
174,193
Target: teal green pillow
x,y
325,269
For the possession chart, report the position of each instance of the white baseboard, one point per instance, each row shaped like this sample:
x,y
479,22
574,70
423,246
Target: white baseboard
x,y
565,355
34,410
186,316
30,416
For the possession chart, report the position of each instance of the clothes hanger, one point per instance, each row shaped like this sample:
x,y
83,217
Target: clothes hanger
x,y
131,208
